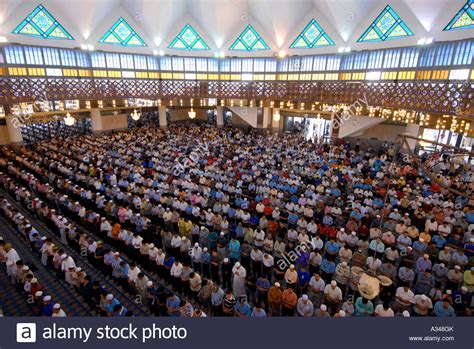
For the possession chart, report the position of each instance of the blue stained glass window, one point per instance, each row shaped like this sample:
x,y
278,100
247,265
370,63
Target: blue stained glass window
x,y
41,24
188,39
121,33
387,26
249,40
464,18
312,36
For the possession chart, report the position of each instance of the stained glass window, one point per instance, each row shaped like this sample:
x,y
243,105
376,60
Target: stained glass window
x,y
121,33
249,40
188,39
312,36
464,18
387,26
40,23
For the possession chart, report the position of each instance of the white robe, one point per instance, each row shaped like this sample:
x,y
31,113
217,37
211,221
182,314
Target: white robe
x,y
238,284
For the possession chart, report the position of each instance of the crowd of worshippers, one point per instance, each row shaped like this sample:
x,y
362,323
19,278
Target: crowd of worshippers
x,y
24,278
256,224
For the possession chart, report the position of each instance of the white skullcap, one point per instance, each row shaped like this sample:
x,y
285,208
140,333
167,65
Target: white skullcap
x,y
304,297
57,306
353,233
406,313
222,233
292,266
448,292
34,280
457,267
47,298
63,256
183,238
205,249
110,297
237,264
226,260
323,307
344,263
38,293
333,283
342,313
196,244
277,284
149,283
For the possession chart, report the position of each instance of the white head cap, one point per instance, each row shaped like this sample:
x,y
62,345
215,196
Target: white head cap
x,y
406,313
63,256
149,283
237,264
110,297
47,298
342,313
333,283
304,297
323,307
277,284
57,306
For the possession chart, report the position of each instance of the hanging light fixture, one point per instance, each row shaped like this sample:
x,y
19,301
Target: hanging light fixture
x,y
135,115
69,120
276,116
191,114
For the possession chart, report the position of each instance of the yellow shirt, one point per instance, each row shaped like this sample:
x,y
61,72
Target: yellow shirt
x,y
469,280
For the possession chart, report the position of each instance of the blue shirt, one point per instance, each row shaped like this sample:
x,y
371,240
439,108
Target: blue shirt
x,y
327,266
243,309
332,247
234,249
440,311
303,278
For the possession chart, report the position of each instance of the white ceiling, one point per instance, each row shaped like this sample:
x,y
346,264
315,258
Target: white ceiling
x,y
219,22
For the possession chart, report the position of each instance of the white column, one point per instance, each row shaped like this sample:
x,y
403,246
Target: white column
x,y
275,124
267,117
412,130
220,116
162,116
96,120
14,129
